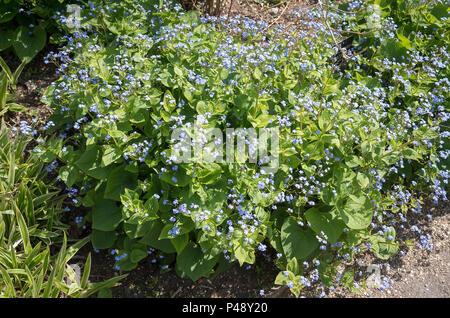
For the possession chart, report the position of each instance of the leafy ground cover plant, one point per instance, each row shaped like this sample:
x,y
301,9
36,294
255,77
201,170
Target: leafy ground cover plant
x,y
29,209
25,25
361,144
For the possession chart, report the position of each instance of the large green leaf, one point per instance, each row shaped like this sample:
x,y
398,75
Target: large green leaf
x,y
137,229
110,155
8,11
177,178
328,222
193,263
106,215
209,174
180,242
6,39
118,180
91,162
357,211
244,254
27,45
382,246
102,239
151,238
296,241
137,255
393,49
69,174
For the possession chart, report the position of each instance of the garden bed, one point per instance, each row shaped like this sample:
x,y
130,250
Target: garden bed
x,y
411,272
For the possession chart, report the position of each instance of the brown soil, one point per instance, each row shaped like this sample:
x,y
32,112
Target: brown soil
x,y
420,273
32,83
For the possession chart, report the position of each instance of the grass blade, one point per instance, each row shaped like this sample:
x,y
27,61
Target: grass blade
x,y
106,284
72,250
10,290
6,69
23,229
86,272
18,71
3,87
12,169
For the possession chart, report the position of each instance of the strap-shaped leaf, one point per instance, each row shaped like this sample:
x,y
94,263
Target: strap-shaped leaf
x,y
6,69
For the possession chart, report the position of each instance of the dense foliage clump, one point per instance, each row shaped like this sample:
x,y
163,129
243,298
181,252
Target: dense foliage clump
x,y
30,227
363,133
27,26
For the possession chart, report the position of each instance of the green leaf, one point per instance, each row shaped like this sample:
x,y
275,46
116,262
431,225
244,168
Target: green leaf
x,y
6,39
105,293
154,95
328,222
185,225
86,272
118,180
261,121
325,121
18,71
382,247
257,74
169,102
28,45
347,278
440,11
6,69
137,255
151,238
282,279
110,155
69,174
297,242
244,253
193,263
392,49
363,180
177,178
180,242
203,107
13,107
137,229
151,207
315,149
409,153
106,215
328,197
293,267
210,173
91,162
23,229
74,248
3,91
8,11
178,71
404,41
357,212
188,94
102,239
106,284
353,162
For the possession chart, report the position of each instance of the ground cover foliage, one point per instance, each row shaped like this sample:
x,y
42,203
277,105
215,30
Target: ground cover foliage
x,y
363,133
